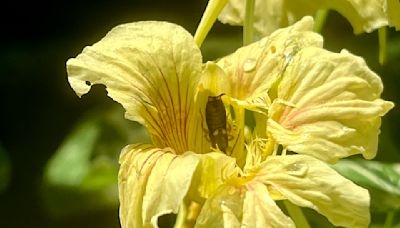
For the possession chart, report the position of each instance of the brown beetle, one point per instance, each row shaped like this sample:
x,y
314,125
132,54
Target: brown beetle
x,y
216,122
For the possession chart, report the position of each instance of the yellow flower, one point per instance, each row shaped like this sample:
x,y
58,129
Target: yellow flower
x,y
364,16
152,69
310,101
322,105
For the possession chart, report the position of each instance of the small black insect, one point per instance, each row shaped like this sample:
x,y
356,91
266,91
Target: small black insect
x,y
216,122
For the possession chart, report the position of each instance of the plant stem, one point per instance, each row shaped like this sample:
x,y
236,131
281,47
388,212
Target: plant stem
x,y
320,19
210,15
297,215
389,220
382,45
248,24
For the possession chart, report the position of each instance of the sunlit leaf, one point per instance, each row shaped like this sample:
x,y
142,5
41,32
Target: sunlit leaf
x,y
75,152
382,180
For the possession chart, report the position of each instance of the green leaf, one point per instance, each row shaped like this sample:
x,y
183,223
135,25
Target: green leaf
x,y
382,180
71,162
102,173
82,174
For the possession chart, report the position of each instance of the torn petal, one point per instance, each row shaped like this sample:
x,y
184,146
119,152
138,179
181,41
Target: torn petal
x,y
152,69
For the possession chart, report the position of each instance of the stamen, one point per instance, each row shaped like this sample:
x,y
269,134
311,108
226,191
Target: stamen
x,y
275,152
283,151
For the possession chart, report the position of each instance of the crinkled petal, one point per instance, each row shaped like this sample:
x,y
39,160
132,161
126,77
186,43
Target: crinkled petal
x,y
309,182
253,69
364,15
260,210
248,205
214,80
152,182
222,209
328,106
213,169
152,69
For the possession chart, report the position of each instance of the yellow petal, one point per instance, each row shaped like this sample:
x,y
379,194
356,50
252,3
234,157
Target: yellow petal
x,y
328,106
364,16
248,205
213,169
269,15
221,209
260,210
253,69
309,182
214,80
152,182
152,69
367,15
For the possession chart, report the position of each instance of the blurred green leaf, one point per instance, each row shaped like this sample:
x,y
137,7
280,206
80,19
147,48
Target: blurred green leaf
x,y
82,174
5,170
71,161
393,48
382,181
103,173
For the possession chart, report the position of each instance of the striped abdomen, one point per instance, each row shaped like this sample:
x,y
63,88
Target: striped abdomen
x,y
216,122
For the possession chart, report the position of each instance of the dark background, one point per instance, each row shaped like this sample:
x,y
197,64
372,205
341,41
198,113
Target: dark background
x,y
39,107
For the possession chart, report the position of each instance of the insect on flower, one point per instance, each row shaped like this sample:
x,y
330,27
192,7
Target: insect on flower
x,y
216,122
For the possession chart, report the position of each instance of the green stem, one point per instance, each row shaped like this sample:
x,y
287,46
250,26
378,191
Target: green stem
x,y
248,24
296,214
320,19
382,45
389,219
210,15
